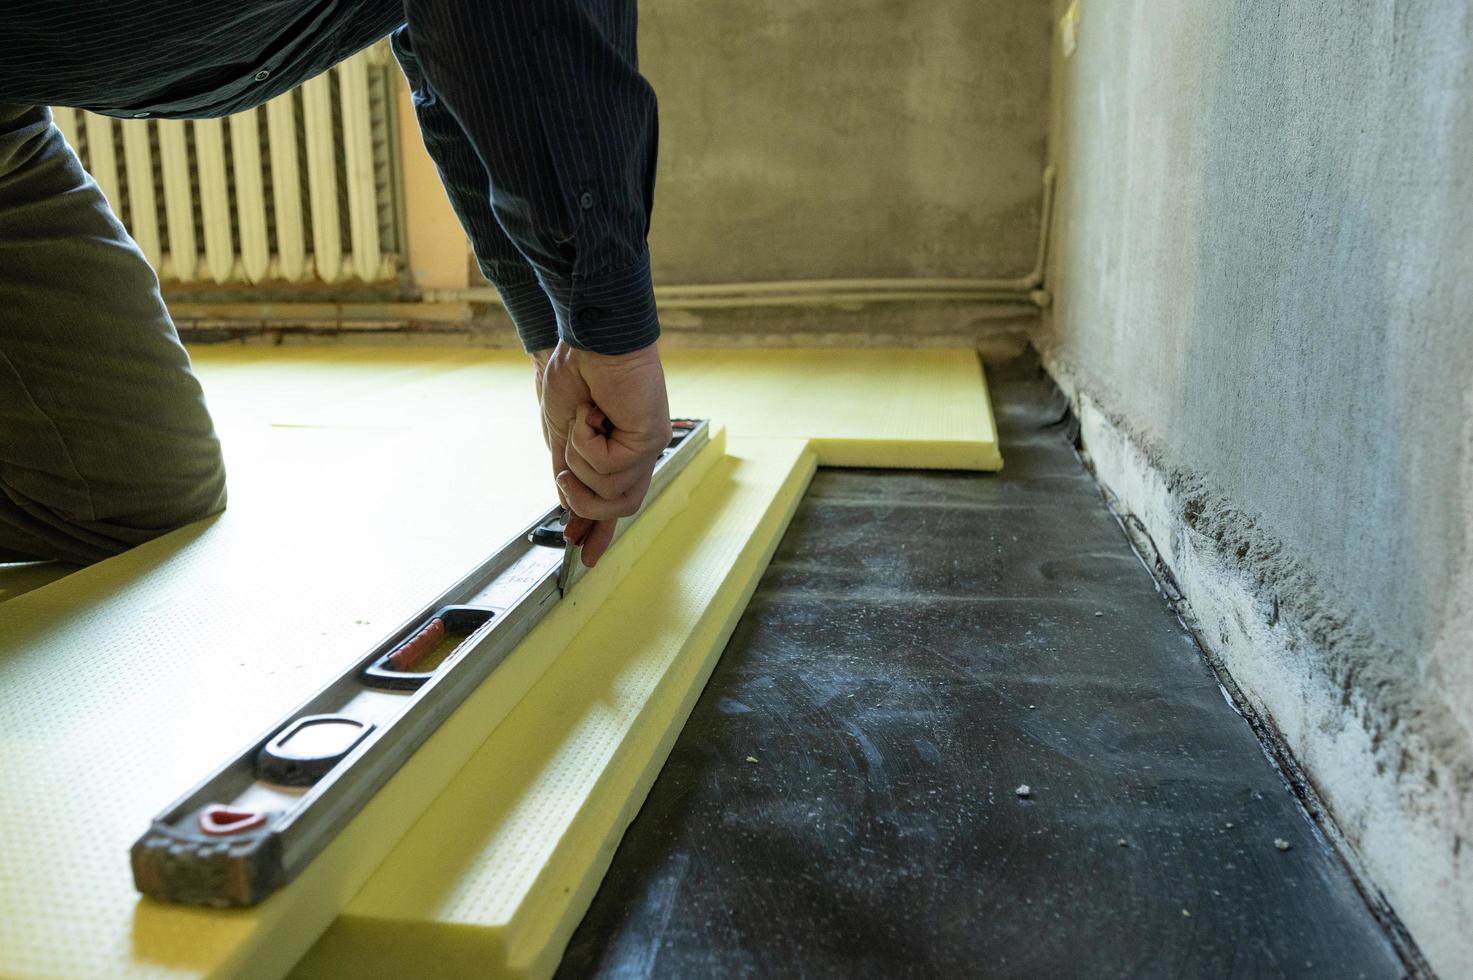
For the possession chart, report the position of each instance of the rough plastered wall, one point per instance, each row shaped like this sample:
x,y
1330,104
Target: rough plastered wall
x,y
808,139
1263,282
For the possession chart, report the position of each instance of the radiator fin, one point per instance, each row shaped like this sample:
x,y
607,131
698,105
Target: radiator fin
x,y
298,191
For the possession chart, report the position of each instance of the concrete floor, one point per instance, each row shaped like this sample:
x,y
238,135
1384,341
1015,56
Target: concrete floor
x,y
845,799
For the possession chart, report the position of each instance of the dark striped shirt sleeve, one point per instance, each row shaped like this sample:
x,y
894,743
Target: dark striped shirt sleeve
x,y
469,188
546,96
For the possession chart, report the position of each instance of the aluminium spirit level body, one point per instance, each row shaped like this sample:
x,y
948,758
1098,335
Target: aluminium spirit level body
x,y
252,825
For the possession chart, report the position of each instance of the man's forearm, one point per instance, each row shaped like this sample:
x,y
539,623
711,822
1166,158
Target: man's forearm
x,y
548,95
468,186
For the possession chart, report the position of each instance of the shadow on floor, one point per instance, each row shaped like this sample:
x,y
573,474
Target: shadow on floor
x,y
18,579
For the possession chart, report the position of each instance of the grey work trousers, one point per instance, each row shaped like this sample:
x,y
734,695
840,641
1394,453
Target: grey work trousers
x,y
105,441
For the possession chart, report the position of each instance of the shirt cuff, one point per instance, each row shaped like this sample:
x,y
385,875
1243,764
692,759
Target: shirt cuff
x,y
613,313
532,314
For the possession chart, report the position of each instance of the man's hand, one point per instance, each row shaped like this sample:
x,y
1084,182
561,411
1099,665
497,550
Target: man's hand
x,y
606,420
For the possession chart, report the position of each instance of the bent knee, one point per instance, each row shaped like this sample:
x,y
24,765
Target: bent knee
x,y
171,505
51,530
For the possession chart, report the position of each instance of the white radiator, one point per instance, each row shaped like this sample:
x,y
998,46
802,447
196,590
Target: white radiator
x,y
301,190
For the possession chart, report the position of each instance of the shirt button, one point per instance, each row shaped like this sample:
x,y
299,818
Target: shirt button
x,y
586,200
589,315
262,75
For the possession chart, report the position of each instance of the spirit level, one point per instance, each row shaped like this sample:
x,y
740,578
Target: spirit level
x,y
251,826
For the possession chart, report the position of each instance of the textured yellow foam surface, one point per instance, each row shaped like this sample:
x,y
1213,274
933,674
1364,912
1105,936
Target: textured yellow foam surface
x,y
924,409
123,683
363,482
88,684
493,877
899,408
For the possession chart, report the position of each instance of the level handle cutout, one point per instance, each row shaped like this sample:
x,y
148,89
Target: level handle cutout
x,y
308,747
410,660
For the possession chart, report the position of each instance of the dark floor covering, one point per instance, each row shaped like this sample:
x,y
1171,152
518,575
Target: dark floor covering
x,y
845,800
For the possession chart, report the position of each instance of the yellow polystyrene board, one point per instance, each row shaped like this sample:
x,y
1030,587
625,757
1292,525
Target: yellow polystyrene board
x,y
492,879
122,685
294,384
859,407
362,483
865,407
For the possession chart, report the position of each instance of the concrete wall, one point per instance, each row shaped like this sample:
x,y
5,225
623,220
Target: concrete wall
x,y
846,138
1263,281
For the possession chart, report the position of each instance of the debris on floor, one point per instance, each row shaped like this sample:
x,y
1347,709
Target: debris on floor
x,y
841,860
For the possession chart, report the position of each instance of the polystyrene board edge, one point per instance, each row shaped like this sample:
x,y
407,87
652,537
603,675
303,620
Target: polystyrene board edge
x,y
903,454
374,940
537,955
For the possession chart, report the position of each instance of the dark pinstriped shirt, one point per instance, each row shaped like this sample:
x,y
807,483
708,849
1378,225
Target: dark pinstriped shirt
x,y
534,111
